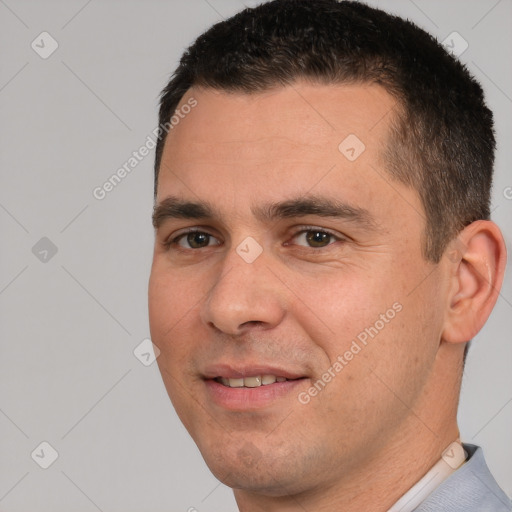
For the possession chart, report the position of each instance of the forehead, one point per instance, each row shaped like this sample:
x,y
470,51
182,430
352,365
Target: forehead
x,y
299,117
234,148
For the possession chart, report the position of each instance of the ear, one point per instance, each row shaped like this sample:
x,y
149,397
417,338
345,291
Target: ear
x,y
477,261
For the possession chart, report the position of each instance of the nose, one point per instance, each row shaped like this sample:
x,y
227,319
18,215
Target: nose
x,y
244,296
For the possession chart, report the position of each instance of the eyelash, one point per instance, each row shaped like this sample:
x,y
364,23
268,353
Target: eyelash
x,y
174,241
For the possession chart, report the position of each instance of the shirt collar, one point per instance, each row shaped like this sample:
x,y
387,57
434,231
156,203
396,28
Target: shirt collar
x,y
451,459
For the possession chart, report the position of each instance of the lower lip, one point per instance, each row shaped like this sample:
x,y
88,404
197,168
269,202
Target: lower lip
x,y
244,399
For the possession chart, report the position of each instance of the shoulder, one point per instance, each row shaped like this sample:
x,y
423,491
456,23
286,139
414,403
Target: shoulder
x,y
470,488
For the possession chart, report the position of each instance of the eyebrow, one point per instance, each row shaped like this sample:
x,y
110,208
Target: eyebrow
x,y
176,208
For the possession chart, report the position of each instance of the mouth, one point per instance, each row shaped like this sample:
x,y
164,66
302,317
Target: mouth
x,y
250,389
251,382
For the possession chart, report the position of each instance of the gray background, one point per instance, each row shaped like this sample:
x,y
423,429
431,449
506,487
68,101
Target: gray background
x,y
70,321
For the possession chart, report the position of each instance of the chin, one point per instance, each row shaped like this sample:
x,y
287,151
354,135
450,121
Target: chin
x,y
245,467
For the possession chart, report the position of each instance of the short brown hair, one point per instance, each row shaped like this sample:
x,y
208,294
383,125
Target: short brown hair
x,y
441,141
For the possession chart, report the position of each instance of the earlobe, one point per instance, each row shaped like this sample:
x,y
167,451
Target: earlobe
x,y
477,274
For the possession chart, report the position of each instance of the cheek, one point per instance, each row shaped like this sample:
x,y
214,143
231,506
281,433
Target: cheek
x,y
170,297
160,302
377,323
403,353
168,310
343,305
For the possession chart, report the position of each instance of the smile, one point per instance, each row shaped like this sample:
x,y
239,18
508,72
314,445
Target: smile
x,y
250,382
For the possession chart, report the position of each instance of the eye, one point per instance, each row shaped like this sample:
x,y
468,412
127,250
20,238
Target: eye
x,y
315,238
192,240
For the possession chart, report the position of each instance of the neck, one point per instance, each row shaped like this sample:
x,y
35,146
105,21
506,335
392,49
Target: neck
x,y
378,483
375,487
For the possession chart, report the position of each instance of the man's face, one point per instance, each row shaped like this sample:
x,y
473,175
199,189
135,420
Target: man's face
x,y
306,247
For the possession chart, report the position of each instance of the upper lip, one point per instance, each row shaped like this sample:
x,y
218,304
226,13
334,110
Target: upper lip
x,y
237,371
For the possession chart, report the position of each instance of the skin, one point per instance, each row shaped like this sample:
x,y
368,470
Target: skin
x,y
386,417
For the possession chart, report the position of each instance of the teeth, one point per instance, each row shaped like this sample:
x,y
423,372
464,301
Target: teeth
x,y
250,382
236,383
268,379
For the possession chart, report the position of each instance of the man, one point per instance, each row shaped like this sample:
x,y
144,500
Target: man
x,y
323,256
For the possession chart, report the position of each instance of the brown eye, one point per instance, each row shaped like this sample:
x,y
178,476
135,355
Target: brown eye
x,y
318,238
197,240
192,240
314,238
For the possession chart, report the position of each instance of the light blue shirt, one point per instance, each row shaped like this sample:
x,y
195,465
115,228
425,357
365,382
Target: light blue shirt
x,y
471,488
